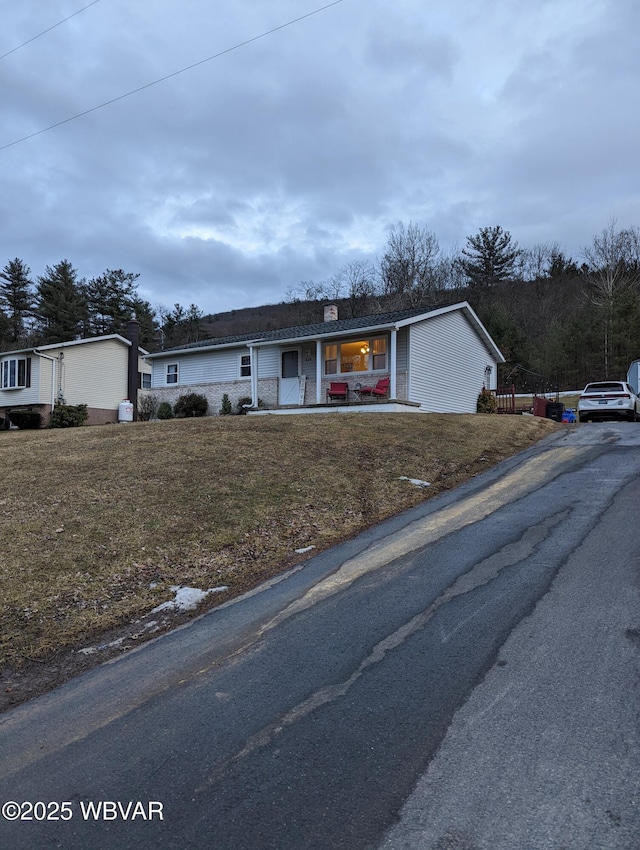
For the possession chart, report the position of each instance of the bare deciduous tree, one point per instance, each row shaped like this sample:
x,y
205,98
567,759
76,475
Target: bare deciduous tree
x,y
612,276
356,283
409,265
534,263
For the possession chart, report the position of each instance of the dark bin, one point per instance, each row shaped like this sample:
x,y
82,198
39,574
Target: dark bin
x,y
540,405
555,409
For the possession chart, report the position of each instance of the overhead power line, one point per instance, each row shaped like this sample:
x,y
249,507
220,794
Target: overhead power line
x,y
44,32
168,76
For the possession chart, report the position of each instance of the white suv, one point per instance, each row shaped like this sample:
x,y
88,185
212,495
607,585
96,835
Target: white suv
x,y
608,399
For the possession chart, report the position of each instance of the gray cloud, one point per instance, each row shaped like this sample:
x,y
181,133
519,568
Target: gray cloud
x,y
284,159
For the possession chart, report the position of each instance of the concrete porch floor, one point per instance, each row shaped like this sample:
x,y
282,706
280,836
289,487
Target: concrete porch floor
x,y
391,406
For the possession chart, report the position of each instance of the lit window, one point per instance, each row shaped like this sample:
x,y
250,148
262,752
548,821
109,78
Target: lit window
x,y
330,359
363,355
172,373
354,356
379,353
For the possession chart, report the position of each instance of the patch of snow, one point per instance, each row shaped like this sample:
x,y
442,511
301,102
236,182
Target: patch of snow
x,y
89,650
187,598
416,481
304,549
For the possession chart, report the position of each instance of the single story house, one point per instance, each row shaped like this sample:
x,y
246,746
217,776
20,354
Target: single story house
x,y
100,372
434,360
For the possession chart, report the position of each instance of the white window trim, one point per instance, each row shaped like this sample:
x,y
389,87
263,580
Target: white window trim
x,y
177,374
242,365
16,386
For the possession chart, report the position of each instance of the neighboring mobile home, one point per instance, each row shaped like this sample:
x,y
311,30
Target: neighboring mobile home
x,y
435,360
99,371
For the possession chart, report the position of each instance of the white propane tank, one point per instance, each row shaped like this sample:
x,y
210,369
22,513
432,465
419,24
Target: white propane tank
x,y
125,411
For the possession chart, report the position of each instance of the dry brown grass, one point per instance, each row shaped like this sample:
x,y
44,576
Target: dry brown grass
x,y
98,523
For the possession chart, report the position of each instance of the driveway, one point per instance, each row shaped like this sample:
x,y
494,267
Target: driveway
x,y
463,677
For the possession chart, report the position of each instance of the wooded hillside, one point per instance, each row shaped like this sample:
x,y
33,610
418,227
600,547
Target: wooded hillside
x,y
559,324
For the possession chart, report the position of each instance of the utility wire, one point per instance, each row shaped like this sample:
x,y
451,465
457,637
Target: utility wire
x,y
169,76
44,32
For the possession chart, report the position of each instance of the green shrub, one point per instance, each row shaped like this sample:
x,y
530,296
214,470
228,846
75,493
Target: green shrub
x,y
226,408
191,404
25,419
68,415
486,402
165,411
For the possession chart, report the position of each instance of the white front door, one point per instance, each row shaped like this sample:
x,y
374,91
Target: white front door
x,y
290,377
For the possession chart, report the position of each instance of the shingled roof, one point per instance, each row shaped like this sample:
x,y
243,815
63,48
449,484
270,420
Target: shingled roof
x,y
337,327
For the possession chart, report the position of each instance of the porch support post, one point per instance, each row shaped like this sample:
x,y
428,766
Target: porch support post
x,y
318,371
253,360
394,366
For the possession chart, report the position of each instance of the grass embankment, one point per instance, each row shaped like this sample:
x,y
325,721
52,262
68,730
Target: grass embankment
x,y
98,523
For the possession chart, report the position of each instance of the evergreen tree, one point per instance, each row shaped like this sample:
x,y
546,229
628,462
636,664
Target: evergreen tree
x,y
61,304
16,298
149,326
180,326
4,331
561,267
110,302
490,256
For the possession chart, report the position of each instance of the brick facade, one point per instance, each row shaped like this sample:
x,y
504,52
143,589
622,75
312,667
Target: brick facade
x,y
267,391
236,390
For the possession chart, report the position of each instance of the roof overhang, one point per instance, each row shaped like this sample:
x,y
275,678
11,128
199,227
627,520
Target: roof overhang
x,y
54,346
333,333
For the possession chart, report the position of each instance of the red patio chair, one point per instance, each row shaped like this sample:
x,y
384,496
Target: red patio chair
x,y
380,390
337,390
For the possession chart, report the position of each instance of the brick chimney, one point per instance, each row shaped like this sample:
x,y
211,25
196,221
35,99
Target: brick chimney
x,y
133,334
331,313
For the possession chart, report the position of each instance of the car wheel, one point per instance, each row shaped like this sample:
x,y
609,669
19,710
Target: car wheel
x,y
583,417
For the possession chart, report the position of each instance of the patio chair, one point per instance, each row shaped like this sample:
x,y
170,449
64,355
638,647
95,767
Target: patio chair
x,y
337,390
379,391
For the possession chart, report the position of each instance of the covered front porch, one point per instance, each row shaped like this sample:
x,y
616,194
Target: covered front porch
x,y
363,370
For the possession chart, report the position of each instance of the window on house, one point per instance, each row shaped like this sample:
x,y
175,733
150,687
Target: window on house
x,y
144,380
245,365
362,355
172,373
330,359
379,353
15,373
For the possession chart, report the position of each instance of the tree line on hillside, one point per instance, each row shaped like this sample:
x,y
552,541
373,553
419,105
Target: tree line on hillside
x,y
560,323
58,306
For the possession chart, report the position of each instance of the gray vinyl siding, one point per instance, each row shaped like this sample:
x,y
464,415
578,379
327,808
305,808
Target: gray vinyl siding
x,y
447,360
402,349
268,362
213,367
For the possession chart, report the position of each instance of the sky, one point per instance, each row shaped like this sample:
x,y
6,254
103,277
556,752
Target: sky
x,y
300,134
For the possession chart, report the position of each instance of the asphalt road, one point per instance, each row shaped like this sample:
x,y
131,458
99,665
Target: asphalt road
x,y
463,677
